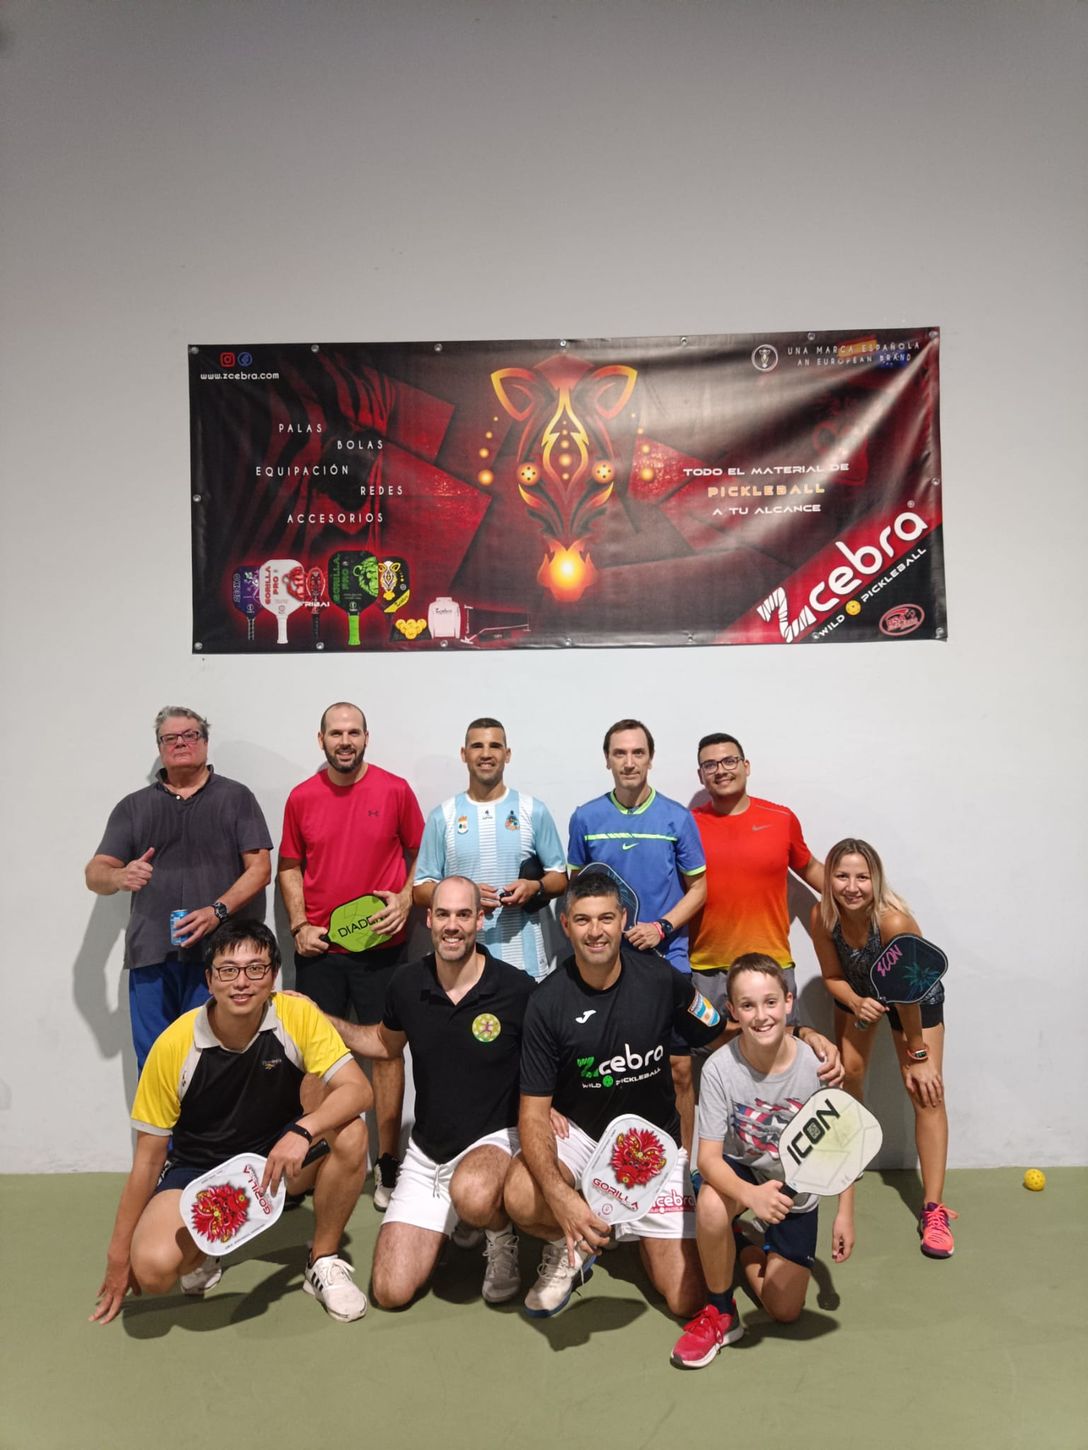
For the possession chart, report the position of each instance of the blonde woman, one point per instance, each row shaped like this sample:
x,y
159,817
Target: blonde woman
x,y
855,918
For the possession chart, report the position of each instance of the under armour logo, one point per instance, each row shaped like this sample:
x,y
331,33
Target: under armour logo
x,y
586,1015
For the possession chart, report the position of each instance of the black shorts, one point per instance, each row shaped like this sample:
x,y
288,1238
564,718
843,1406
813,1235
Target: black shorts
x,y
795,1237
338,981
932,1014
178,1174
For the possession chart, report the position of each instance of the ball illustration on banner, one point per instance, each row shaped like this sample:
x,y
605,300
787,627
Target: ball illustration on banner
x,y
603,473
1035,1179
567,573
528,474
853,607
485,477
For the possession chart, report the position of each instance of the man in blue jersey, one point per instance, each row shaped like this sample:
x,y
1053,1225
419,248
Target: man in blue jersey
x,y
653,844
488,833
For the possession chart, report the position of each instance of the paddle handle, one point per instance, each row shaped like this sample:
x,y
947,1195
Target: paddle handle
x,y
317,1150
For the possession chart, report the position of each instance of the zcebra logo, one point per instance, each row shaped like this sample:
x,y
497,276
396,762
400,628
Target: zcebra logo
x,y
629,1061
844,579
604,1073
903,619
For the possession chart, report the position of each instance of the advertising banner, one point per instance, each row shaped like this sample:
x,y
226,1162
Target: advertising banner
x,y
781,488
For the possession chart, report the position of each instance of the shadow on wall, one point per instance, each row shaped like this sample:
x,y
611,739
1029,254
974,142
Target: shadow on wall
x,y
91,982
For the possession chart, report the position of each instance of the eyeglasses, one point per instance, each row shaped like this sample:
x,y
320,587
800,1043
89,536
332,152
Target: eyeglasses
x,y
185,737
715,767
255,971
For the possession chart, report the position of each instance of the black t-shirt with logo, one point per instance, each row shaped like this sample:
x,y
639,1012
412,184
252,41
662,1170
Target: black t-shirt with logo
x,y
465,1055
600,1054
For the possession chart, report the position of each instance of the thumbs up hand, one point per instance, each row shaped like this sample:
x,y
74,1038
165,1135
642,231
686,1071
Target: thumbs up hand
x,y
136,875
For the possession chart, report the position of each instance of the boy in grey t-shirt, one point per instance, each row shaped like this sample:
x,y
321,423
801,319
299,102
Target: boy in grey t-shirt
x,y
750,1091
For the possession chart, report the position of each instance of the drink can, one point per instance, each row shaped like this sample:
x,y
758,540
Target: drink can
x,y
175,917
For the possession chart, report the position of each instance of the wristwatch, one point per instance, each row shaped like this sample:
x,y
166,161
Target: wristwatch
x,y
922,1055
666,928
221,911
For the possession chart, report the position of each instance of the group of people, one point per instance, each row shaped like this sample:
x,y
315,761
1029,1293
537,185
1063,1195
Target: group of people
x,y
677,925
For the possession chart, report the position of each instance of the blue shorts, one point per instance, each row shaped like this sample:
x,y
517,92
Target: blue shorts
x,y
177,1174
795,1237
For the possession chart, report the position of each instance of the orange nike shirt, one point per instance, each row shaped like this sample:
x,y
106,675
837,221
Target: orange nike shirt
x,y
748,858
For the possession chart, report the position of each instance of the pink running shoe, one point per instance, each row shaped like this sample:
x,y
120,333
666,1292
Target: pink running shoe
x,y
937,1241
708,1332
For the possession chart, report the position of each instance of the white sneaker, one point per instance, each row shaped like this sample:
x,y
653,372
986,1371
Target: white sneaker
x,y
556,1279
502,1277
464,1236
205,1276
329,1280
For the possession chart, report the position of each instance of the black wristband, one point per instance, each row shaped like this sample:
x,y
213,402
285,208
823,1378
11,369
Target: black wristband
x,y
300,1130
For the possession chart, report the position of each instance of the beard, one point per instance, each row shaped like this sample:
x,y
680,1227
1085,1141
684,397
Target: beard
x,y
341,763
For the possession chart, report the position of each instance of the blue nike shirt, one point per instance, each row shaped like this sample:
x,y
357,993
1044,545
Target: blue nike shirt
x,y
652,846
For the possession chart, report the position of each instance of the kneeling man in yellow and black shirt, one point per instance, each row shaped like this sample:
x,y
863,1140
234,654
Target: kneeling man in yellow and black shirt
x,y
225,1079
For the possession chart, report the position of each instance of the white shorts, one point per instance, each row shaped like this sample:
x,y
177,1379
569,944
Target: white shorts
x,y
672,1214
422,1195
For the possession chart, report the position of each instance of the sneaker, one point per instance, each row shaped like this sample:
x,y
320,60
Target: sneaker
x,y
385,1180
937,1241
329,1280
465,1236
502,1277
205,1276
556,1278
708,1332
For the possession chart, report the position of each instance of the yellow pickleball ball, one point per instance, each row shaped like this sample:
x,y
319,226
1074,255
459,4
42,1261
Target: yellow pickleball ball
x,y
853,607
1035,1179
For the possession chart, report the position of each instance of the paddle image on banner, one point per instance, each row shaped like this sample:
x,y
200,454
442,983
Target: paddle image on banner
x,y
281,592
246,594
353,585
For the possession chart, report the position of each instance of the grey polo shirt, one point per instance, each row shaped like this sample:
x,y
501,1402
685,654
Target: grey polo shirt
x,y
198,854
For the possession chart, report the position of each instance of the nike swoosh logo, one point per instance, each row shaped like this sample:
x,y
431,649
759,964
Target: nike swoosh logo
x,y
629,845
591,1012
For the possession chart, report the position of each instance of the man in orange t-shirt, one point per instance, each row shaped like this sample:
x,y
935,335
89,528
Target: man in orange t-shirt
x,y
751,845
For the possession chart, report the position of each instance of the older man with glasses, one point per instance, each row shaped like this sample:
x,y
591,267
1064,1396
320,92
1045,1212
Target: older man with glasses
x,y
229,1078
751,846
192,842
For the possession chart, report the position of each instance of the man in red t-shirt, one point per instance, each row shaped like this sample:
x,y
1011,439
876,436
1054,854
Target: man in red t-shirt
x,y
751,845
352,830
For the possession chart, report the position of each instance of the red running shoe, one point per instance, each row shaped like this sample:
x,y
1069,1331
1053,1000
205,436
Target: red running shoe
x,y
708,1332
937,1241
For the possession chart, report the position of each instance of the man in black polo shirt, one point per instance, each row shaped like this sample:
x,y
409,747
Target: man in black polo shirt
x,y
597,1038
460,1010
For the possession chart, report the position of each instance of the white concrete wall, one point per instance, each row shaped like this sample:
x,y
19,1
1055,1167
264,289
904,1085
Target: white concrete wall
x,y
221,170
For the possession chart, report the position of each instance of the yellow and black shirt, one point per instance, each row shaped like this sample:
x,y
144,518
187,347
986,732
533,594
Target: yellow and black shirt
x,y
216,1102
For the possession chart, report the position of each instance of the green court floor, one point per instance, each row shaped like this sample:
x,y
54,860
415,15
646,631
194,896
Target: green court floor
x,y
987,1349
